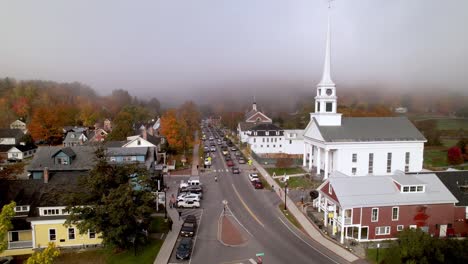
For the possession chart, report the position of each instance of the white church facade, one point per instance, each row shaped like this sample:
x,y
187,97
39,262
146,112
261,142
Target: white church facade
x,y
357,145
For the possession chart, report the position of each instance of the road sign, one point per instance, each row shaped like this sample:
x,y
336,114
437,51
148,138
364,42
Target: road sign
x,y
260,254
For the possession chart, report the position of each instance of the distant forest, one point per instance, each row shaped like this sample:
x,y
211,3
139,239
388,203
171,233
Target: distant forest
x,y
66,104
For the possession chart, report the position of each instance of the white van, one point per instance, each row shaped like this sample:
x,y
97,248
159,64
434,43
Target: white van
x,y
194,180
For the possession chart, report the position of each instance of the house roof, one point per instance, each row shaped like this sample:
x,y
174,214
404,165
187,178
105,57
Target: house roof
x,y
73,137
11,133
266,127
153,139
36,193
250,113
358,129
24,148
457,183
139,151
67,150
5,148
83,160
368,191
114,144
299,134
244,126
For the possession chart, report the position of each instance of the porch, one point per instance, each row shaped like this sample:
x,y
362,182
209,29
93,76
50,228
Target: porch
x,y
19,239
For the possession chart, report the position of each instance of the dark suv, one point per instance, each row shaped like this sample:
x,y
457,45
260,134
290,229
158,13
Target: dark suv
x,y
184,250
189,227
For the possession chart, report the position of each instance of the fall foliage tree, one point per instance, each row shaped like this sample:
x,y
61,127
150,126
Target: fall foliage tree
x,y
454,155
6,214
46,123
45,256
463,145
171,129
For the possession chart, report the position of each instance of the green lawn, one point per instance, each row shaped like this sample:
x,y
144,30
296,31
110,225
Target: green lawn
x,y
289,216
435,156
299,182
449,142
372,255
159,225
452,124
107,256
282,171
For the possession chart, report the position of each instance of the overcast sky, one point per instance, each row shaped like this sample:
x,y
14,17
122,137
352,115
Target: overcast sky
x,y
179,49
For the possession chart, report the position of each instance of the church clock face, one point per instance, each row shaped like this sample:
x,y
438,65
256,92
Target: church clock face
x,y
329,92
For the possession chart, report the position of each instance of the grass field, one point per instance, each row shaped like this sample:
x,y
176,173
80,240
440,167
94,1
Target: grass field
x,y
289,216
435,156
144,255
452,124
372,255
449,142
299,182
282,171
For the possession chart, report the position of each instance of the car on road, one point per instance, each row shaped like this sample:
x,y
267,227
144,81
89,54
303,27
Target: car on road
x,y
227,158
189,227
233,148
208,161
257,184
253,177
211,138
206,149
225,152
238,153
235,170
184,250
229,163
186,197
241,160
188,204
220,142
213,148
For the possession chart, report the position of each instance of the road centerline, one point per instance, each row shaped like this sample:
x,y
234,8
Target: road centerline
x,y
246,207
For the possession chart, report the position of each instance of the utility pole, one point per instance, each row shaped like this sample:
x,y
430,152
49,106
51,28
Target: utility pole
x,y
285,194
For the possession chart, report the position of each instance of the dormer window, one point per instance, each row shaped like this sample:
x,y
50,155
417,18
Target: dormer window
x,y
23,208
72,136
413,189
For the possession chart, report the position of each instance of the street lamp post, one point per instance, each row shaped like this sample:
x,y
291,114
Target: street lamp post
x,y
285,194
378,246
165,205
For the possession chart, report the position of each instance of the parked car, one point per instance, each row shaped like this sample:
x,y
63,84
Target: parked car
x,y
229,163
241,160
213,148
257,184
227,158
184,250
225,152
188,204
238,153
188,197
235,170
233,148
253,177
211,138
208,161
188,228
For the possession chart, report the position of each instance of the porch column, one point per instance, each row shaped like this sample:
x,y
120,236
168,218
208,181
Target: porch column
x,y
334,228
33,231
319,153
325,213
319,202
327,153
311,147
342,226
304,157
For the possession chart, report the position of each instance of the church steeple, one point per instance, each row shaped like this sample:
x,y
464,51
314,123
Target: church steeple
x,y
326,100
254,105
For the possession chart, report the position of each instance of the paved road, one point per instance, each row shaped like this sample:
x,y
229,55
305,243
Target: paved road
x,y
256,210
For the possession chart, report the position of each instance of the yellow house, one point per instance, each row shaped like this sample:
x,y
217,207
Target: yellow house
x,y
41,214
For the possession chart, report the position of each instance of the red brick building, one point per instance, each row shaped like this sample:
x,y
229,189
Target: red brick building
x,y
378,207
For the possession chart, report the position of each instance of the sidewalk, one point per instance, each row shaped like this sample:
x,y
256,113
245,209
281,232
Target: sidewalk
x,y
169,243
195,158
304,221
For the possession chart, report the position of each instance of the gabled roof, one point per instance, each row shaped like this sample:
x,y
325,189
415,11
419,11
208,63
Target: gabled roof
x,y
114,144
368,129
368,191
5,148
457,183
155,140
24,148
83,160
250,113
11,133
258,117
136,151
74,137
36,193
68,151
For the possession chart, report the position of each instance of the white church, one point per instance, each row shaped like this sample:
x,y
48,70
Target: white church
x,y
357,145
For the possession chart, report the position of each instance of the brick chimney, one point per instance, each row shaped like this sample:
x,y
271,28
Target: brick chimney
x,y
46,174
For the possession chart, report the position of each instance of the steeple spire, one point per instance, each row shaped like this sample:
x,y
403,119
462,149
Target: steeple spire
x,y
326,75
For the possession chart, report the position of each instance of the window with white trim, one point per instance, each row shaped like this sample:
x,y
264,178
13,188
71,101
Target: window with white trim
x,y
412,189
92,233
22,208
354,159
375,215
382,230
52,235
395,213
71,233
389,162
407,159
400,227
371,163
353,171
